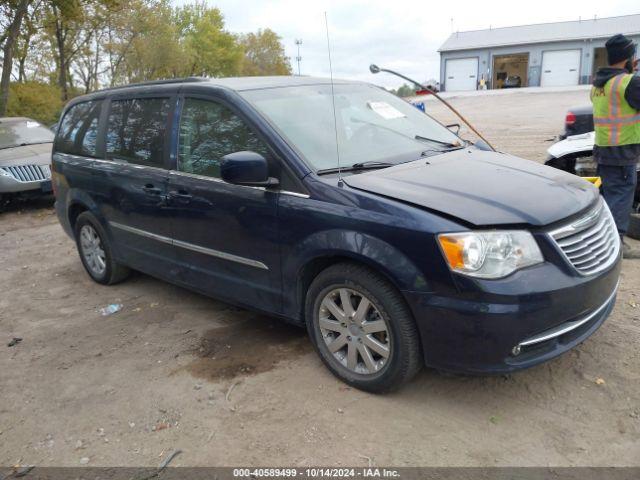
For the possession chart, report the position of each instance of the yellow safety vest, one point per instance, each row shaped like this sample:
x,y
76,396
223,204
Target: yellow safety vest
x,y
616,122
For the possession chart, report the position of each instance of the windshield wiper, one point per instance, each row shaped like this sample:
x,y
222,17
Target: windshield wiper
x,y
439,142
4,147
371,164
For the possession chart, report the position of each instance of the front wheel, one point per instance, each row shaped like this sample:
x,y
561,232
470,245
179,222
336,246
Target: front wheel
x,y
362,329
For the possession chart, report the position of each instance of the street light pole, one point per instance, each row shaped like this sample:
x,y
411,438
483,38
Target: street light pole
x,y
298,58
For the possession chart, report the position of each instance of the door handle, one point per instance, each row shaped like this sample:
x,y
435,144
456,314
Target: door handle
x,y
181,196
151,189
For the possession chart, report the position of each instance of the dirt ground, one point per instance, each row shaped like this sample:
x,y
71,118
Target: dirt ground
x,y
176,370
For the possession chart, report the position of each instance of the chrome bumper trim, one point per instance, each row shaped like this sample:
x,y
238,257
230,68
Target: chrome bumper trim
x,y
568,326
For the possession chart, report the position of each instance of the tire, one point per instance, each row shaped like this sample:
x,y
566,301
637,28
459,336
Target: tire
x,y
634,226
359,331
89,234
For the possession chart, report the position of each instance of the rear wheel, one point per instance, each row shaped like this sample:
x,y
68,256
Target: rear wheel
x,y
95,251
362,328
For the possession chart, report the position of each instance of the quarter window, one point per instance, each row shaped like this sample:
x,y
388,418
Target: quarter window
x,y
136,130
209,131
78,130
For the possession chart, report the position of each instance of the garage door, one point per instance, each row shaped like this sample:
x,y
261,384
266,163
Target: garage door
x,y
560,68
462,74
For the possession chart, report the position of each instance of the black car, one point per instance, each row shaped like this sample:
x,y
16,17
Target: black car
x,y
399,245
577,121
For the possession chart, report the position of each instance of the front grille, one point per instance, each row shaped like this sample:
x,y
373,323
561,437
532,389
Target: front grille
x,y
29,173
592,242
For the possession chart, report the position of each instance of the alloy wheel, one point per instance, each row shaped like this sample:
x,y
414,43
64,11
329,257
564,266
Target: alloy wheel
x,y
354,331
92,250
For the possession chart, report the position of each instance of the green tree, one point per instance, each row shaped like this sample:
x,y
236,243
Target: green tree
x,y
406,90
15,11
29,29
61,21
145,44
67,47
123,26
264,54
210,50
71,26
33,56
36,100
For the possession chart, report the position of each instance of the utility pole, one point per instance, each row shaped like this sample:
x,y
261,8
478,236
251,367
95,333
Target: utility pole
x,y
298,58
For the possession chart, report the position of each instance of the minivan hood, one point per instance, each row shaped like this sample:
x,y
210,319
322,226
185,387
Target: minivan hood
x,y
482,188
38,154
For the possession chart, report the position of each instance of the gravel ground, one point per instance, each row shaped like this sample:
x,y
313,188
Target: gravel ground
x,y
176,370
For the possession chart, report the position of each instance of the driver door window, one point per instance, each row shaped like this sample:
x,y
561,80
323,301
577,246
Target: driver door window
x,y
209,131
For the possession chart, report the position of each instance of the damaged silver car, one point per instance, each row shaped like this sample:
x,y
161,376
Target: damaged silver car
x,y
25,157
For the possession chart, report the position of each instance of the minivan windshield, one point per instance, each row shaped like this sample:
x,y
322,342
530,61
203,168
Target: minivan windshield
x,y
15,133
373,127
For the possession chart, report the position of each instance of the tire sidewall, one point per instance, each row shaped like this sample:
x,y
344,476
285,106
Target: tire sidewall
x,y
634,226
392,371
87,218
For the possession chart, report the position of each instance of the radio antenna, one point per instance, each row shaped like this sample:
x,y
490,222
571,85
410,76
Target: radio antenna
x,y
333,101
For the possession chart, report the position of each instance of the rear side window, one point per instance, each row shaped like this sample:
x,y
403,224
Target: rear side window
x,y
136,130
209,131
78,130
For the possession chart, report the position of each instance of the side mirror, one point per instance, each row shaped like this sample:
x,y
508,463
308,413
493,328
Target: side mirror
x,y
454,127
246,168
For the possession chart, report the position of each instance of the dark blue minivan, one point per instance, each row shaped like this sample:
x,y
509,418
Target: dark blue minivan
x,y
345,210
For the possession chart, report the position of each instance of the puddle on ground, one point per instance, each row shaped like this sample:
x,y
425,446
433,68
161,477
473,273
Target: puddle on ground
x,y
248,347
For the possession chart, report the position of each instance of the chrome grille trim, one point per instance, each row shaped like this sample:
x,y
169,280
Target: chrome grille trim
x,y
591,243
28,173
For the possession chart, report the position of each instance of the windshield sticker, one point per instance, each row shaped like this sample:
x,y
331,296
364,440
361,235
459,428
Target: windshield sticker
x,y
32,124
385,110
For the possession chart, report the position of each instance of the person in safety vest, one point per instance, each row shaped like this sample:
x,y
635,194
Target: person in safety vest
x,y
616,114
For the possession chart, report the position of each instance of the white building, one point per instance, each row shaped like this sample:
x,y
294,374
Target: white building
x,y
546,54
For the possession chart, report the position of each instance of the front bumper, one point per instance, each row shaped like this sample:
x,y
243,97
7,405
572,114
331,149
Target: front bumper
x,y
518,322
11,185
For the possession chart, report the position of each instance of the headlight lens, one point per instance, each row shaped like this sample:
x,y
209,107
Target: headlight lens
x,y
494,254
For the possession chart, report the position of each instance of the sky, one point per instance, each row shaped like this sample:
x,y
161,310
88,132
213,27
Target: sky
x,y
402,35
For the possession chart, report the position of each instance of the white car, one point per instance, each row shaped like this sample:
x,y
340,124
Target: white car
x,y
25,157
574,154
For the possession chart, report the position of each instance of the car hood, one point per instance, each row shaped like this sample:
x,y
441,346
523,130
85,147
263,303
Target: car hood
x,y
482,188
573,144
39,154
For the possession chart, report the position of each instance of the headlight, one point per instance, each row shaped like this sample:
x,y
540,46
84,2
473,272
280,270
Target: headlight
x,y
494,254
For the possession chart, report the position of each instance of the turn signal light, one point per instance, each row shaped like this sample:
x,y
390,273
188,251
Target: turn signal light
x,y
453,249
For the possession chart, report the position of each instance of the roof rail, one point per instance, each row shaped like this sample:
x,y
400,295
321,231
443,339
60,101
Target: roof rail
x,y
156,82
